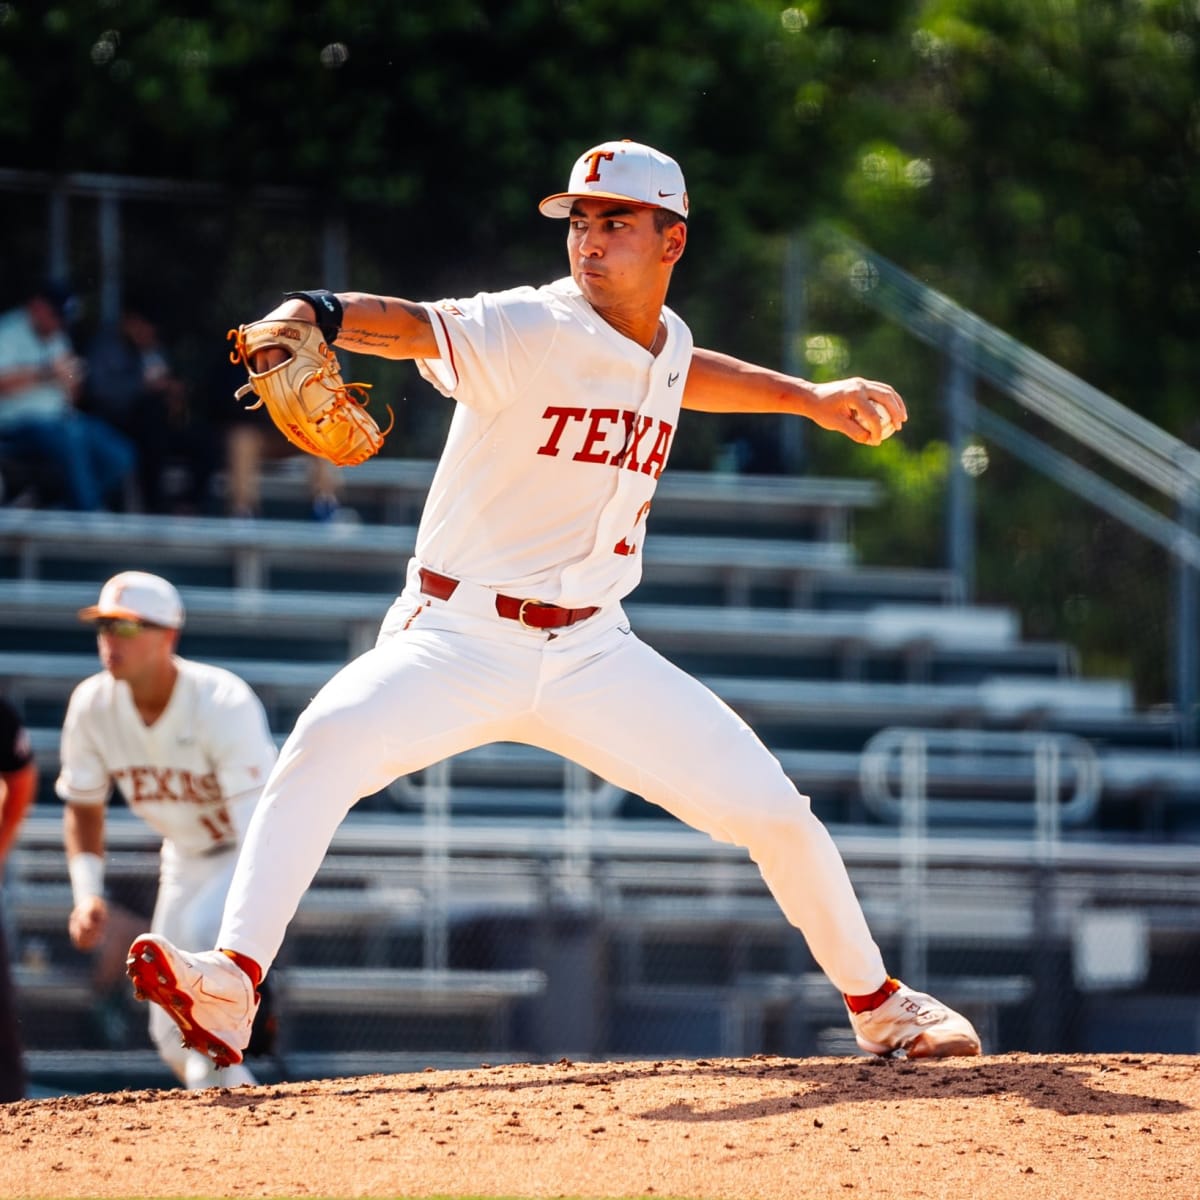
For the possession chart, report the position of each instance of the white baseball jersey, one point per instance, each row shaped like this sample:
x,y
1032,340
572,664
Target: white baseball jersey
x,y
193,776
561,432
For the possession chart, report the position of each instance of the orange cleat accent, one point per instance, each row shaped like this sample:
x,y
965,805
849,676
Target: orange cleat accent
x,y
207,995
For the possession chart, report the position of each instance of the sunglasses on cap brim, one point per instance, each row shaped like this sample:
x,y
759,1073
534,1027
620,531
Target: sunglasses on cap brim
x,y
123,627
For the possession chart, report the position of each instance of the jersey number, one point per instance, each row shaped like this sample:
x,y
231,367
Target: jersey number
x,y
625,546
219,824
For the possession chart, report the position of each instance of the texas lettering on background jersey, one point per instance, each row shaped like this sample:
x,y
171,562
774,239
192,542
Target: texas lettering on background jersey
x,y
147,788
158,785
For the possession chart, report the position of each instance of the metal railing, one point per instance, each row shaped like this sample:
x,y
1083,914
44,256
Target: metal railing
x,y
975,351
110,194
1047,780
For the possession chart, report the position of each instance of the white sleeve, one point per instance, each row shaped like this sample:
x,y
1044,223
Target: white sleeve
x,y
489,346
239,740
83,776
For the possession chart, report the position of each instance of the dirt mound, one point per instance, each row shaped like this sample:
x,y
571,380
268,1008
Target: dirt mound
x,y
1006,1126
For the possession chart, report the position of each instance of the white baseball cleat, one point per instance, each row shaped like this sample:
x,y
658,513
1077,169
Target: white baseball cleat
x,y
207,995
917,1024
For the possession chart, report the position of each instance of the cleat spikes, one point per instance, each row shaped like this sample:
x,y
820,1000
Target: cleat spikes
x,y
204,994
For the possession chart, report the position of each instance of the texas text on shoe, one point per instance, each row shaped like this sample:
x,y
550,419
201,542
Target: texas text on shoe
x,y
917,1024
210,998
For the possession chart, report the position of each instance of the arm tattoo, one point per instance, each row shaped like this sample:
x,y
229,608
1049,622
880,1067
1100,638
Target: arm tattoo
x,y
381,341
367,339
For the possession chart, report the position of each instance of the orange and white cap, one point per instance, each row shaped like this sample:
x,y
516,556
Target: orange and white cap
x,y
622,171
137,596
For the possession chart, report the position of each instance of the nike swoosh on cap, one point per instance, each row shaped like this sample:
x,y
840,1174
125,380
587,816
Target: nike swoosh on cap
x,y
664,195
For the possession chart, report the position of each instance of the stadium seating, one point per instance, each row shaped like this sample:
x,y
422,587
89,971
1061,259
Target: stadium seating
x,y
465,903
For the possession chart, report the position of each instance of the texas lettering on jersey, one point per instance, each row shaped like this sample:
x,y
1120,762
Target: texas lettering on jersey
x,y
609,436
170,785
166,785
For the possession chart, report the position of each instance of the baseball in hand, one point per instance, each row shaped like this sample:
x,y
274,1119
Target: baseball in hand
x,y
886,427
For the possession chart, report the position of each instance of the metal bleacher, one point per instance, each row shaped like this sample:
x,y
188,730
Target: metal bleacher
x,y
907,642
469,900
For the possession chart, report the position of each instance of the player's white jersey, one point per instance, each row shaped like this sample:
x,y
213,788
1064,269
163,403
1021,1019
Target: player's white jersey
x,y
540,493
193,776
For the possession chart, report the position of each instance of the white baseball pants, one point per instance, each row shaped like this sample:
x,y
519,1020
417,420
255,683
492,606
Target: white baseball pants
x,y
446,676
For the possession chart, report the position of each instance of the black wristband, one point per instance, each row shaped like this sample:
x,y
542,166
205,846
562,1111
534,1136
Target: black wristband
x,y
328,309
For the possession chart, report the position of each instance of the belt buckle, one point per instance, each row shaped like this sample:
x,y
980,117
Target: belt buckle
x,y
521,612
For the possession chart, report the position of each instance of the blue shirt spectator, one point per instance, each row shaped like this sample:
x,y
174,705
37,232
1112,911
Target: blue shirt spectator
x,y
40,380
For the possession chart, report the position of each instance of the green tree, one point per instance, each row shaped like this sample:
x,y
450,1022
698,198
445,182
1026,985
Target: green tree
x,y
1034,159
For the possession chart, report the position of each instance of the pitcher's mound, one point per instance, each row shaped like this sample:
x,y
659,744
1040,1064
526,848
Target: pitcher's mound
x,y
1035,1127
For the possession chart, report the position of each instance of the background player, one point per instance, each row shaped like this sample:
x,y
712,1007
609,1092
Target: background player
x,y
18,786
189,748
510,627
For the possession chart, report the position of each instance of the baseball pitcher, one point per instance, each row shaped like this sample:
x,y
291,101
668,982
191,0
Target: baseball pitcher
x,y
567,399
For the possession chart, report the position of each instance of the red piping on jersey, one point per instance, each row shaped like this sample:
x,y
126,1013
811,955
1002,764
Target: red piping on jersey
x,y
416,613
449,346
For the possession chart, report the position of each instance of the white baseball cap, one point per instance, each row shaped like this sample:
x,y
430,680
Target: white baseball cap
x,y
622,171
137,596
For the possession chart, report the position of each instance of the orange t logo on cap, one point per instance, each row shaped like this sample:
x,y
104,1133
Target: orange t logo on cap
x,y
593,176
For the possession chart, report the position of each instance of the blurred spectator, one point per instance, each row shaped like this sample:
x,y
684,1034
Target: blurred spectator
x,y
247,445
131,386
250,438
18,785
41,379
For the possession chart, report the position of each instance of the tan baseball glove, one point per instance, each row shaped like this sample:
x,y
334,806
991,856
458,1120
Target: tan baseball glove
x,y
305,395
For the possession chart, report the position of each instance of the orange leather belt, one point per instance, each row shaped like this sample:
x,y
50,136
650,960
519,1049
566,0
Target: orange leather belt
x,y
532,614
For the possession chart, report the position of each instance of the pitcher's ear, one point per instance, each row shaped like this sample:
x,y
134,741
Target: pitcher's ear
x,y
675,238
